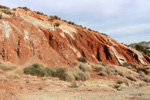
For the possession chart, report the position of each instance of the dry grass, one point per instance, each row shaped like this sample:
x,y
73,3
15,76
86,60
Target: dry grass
x,y
77,74
84,67
6,66
75,85
10,70
12,75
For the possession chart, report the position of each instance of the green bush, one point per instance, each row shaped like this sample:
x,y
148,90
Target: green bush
x,y
57,24
142,49
60,72
48,72
25,8
55,17
38,70
72,23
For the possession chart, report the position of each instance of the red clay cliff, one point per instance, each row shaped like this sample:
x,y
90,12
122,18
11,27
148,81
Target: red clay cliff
x,y
27,37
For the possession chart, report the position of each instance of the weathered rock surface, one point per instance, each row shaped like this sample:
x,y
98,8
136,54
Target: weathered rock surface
x,y
28,37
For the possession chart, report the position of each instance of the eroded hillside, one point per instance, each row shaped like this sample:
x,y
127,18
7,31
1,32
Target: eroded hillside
x,y
27,37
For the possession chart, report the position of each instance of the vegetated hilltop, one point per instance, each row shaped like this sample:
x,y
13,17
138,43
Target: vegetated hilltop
x,y
144,43
27,36
143,47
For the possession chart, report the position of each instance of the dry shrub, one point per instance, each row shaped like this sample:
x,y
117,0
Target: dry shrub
x,y
121,81
84,67
131,78
100,68
76,74
141,73
6,11
75,85
104,70
144,69
103,73
69,76
147,79
116,86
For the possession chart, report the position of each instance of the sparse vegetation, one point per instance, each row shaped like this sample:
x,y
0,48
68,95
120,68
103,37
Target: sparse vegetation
x,y
103,70
4,7
120,81
41,13
99,68
129,65
51,18
6,11
66,74
76,74
144,69
82,59
25,8
75,85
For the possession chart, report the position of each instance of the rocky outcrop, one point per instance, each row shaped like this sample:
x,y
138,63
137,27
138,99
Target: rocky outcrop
x,y
28,37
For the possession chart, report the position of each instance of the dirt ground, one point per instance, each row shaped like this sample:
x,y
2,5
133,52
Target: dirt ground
x,y
26,87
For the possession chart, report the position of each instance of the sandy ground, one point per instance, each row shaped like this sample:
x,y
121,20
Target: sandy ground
x,y
109,87
29,87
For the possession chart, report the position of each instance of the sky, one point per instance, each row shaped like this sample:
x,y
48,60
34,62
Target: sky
x,y
127,21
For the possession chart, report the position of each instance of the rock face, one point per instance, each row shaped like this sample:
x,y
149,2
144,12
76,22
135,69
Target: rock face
x,y
28,37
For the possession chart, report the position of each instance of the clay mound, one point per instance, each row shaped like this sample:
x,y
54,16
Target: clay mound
x,y
27,37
